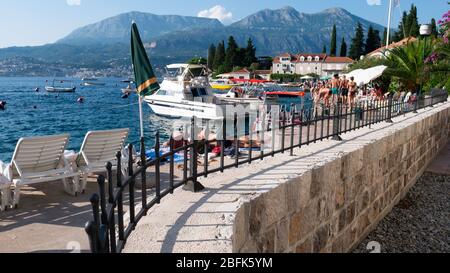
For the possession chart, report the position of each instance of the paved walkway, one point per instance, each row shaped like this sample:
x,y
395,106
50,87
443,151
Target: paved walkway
x,y
420,223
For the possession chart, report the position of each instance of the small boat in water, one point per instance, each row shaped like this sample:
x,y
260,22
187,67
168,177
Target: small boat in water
x,y
94,84
129,89
61,89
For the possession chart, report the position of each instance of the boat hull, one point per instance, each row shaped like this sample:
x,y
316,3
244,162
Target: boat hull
x,y
60,90
184,109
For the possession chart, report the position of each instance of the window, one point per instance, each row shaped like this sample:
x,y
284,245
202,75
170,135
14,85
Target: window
x,y
309,59
302,58
317,58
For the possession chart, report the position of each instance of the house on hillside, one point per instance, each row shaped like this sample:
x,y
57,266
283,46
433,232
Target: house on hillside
x,y
307,63
382,52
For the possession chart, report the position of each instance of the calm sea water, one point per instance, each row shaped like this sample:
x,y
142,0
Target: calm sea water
x,y
103,109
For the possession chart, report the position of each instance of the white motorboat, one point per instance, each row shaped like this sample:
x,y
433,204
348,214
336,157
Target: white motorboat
x,y
61,89
185,92
94,84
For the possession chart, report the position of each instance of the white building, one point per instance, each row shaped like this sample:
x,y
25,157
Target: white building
x,y
303,64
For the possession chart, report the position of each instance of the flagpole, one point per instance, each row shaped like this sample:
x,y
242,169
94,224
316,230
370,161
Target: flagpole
x,y
389,24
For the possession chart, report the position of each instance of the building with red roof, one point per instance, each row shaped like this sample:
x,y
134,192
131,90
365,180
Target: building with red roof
x,y
310,63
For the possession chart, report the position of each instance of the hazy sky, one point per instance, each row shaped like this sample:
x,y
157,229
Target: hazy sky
x,y
35,22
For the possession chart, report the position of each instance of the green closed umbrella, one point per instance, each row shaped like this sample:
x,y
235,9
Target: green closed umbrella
x,y
145,79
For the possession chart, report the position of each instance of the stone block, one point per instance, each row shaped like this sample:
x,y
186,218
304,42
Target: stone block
x,y
275,205
241,227
350,213
266,242
282,236
317,182
302,223
305,246
298,192
257,209
321,238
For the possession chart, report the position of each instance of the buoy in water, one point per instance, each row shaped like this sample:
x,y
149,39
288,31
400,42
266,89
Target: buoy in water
x,y
37,89
2,105
80,100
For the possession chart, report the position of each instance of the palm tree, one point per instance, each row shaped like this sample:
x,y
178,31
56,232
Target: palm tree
x,y
408,63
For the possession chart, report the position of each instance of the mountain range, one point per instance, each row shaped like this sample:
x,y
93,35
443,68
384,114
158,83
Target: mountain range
x,y
182,37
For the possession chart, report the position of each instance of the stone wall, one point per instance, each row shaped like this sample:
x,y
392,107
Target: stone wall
x,y
332,207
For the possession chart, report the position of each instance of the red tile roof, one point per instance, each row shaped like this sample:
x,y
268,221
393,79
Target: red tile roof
x,y
330,59
394,45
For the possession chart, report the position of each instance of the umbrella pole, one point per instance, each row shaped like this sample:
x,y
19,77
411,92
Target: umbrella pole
x,y
141,116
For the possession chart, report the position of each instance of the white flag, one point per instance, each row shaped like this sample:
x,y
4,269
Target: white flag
x,y
396,3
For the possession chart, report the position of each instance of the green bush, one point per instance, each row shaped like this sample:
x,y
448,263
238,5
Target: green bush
x,y
286,77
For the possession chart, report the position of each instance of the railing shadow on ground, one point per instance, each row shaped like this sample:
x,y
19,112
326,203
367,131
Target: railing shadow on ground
x,y
107,236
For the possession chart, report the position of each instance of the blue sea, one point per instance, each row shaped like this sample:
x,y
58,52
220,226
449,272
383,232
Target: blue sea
x,y
30,113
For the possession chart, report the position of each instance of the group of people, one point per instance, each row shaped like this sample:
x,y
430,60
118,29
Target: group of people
x,y
341,89
337,89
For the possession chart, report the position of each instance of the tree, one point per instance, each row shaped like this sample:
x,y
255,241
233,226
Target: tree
x,y
408,63
198,60
324,49
384,41
434,30
333,42
408,26
357,46
373,40
343,52
211,56
250,54
219,58
413,22
231,54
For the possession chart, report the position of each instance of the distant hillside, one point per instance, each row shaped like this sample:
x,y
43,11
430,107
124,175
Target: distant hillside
x,y
273,32
117,29
106,43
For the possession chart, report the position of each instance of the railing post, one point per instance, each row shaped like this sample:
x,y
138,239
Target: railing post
x,y
92,232
157,170
119,201
336,123
222,143
131,185
192,184
416,103
143,176
104,214
111,222
389,113
291,153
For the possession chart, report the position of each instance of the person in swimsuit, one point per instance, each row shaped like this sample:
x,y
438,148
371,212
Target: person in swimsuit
x,y
344,88
351,91
335,83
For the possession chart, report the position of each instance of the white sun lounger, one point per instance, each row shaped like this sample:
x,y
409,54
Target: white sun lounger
x,y
5,188
41,159
98,148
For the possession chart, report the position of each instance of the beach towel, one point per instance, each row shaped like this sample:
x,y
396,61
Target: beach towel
x,y
151,154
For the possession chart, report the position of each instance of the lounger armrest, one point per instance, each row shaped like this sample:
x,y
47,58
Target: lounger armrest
x,y
19,171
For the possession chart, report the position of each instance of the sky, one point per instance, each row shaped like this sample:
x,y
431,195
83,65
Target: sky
x,y
37,22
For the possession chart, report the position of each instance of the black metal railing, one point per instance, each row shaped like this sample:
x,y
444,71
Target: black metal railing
x,y
295,126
